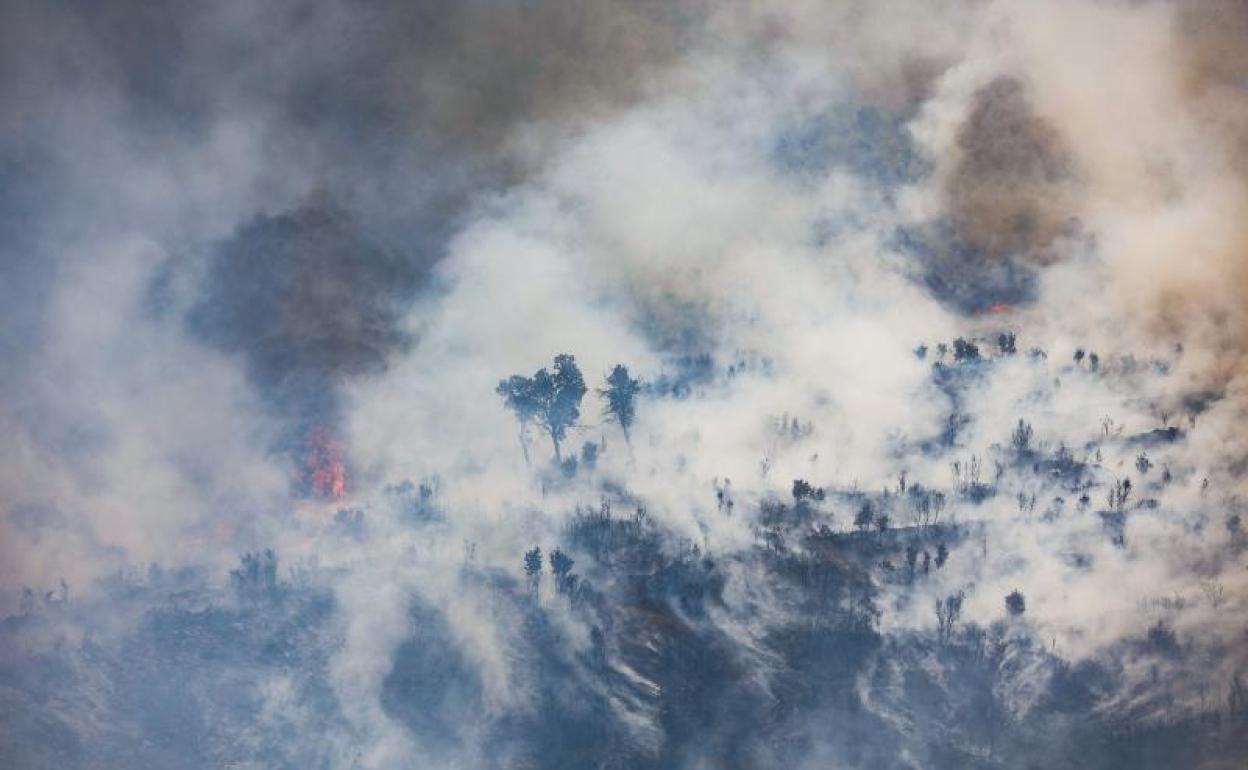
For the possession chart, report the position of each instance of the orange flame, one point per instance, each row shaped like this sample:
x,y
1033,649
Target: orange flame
x,y
327,473
1000,307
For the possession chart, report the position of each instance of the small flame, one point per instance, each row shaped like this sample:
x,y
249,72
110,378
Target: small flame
x,y
1000,307
327,473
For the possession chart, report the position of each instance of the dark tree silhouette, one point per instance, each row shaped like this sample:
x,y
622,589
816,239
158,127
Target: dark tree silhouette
x,y
519,396
1006,343
621,395
1020,439
551,399
589,455
1119,494
258,574
948,612
560,394
533,568
802,490
964,350
561,568
864,517
1015,604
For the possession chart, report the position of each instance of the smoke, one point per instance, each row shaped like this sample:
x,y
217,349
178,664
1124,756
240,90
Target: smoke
x,y
1005,195
227,231
306,300
1131,134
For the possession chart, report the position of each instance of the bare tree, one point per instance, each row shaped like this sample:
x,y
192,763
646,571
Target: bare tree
x,y
1020,439
1215,592
1119,494
948,612
533,569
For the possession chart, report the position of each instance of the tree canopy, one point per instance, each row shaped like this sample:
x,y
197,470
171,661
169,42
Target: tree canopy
x,y
621,394
551,398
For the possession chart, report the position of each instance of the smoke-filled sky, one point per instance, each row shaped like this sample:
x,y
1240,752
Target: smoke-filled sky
x,y
264,261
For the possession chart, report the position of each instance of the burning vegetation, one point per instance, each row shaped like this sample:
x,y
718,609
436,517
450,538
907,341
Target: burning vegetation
x,y
325,471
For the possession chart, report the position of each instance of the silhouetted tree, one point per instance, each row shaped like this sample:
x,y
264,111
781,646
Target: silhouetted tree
x,y
589,455
1020,439
621,394
964,350
1119,494
864,517
947,614
1162,638
1015,604
533,568
561,394
802,490
723,496
1006,344
520,397
926,505
552,400
257,575
598,648
561,568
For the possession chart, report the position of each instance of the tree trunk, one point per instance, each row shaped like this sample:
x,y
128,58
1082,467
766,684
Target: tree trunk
x,y
524,447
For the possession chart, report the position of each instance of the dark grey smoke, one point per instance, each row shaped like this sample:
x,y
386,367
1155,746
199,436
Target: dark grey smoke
x,y
1006,193
307,300
1006,205
402,110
